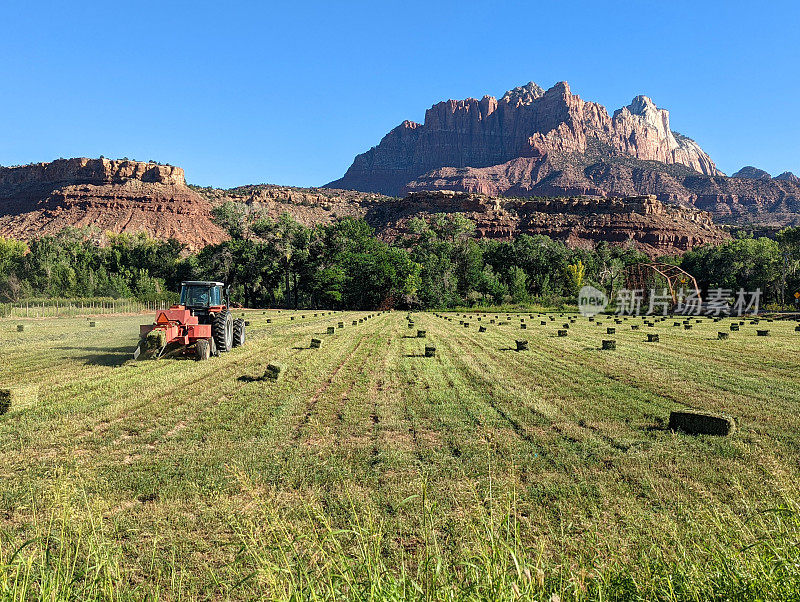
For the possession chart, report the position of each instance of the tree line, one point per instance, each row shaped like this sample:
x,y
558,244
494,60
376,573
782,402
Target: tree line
x,y
344,265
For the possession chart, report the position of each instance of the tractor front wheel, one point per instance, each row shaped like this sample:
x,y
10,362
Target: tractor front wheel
x,y
202,350
222,330
238,332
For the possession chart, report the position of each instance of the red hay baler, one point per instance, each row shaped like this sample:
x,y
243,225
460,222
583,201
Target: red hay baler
x,y
201,324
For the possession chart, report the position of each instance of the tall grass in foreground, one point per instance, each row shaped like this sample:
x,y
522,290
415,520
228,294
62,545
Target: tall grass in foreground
x,y
302,555
494,560
72,558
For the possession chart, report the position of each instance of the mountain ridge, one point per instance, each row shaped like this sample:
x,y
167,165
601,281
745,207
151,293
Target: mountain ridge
x,y
535,142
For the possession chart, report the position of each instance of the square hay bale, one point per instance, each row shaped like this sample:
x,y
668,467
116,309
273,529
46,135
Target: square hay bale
x,y
610,330
421,334
340,325
652,338
565,325
20,327
92,324
316,343
734,327
430,350
522,345
634,327
274,371
701,423
797,328
355,322
247,322
14,395
291,317
481,328
331,330
466,324
676,323
762,333
562,333
491,321
609,345
155,339
687,326
543,323
722,336
269,320
523,326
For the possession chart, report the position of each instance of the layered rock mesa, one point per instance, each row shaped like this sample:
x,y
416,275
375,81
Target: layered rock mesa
x,y
642,222
106,195
552,143
526,122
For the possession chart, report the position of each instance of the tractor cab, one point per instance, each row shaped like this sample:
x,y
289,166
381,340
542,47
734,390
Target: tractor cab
x,y
200,295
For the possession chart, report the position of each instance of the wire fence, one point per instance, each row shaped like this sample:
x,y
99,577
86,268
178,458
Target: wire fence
x,y
51,308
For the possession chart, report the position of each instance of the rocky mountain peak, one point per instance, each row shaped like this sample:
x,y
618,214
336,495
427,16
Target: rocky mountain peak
x,y
642,105
523,95
645,112
559,89
788,176
752,173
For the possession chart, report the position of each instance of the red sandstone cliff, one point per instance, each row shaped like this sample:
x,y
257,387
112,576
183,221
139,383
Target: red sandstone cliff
x,y
525,122
116,196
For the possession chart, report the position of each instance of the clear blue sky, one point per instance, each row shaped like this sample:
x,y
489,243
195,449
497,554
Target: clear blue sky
x,y
289,93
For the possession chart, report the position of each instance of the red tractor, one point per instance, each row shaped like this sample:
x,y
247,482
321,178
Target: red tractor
x,y
201,324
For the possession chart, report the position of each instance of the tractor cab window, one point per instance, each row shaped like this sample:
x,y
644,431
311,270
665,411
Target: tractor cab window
x,y
196,296
216,298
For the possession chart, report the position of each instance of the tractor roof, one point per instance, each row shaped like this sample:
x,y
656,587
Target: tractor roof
x,y
201,283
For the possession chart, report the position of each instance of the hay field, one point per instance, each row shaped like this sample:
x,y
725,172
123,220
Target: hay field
x,y
369,471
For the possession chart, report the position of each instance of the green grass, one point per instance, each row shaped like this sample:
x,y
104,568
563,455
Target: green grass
x,y
368,471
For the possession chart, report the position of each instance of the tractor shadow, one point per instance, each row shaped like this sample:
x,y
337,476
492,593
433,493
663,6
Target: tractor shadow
x,y
246,378
108,356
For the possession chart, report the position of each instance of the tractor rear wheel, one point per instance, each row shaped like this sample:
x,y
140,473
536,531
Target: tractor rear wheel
x,y
202,350
222,330
238,332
